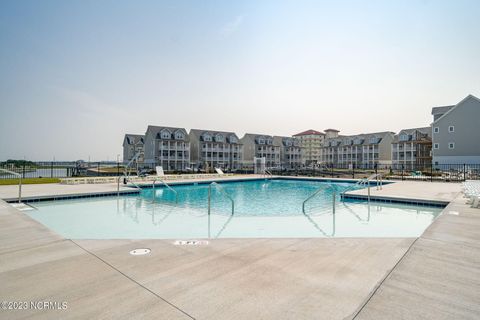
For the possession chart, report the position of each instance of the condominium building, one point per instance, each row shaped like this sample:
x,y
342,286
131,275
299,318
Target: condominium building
x,y
311,142
133,144
260,146
290,151
362,150
215,149
411,148
168,147
456,133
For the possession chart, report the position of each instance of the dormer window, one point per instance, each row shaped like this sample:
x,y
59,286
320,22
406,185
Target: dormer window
x,y
373,140
165,134
179,136
207,137
403,137
219,138
269,141
261,141
232,139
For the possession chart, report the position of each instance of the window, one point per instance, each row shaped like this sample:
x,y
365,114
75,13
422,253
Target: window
x,y
403,137
451,145
451,129
436,146
436,130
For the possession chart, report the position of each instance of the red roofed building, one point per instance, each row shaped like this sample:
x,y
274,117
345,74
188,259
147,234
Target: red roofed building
x,y
311,142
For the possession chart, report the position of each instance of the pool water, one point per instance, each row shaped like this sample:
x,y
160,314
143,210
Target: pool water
x,y
262,209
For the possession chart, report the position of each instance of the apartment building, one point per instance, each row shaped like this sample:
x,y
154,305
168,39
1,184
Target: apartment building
x,y
311,142
168,147
456,133
133,144
362,150
412,148
258,146
290,152
215,149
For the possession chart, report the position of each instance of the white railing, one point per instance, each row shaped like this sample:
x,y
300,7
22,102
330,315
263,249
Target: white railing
x,y
166,185
334,191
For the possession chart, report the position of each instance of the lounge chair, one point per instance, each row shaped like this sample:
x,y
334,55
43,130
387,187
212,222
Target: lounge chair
x,y
160,172
219,171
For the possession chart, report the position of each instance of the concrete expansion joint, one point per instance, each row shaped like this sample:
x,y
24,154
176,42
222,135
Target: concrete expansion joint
x,y
131,279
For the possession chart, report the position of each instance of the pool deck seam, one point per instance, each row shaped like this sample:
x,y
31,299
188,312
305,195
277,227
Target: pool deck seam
x,y
380,283
132,280
33,247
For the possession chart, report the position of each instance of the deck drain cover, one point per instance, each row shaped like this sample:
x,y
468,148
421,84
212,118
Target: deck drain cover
x,y
190,242
139,252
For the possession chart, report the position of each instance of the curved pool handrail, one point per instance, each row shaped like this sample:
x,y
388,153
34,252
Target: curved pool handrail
x,y
219,187
166,185
317,192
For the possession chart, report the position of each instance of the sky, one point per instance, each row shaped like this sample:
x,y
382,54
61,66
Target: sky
x,y
76,75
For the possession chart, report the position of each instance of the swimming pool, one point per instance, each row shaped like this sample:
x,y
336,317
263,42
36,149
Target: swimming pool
x,y
262,209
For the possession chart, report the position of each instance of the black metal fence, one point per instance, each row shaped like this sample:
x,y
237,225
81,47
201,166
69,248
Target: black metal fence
x,y
428,172
60,169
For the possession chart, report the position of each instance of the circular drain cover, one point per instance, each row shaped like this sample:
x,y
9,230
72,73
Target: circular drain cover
x,y
139,252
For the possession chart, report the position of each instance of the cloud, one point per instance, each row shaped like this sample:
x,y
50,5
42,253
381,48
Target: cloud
x,y
231,27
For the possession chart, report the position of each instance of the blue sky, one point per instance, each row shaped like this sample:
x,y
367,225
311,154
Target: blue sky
x,y
76,75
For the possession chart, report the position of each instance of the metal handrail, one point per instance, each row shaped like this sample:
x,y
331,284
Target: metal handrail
x,y
223,191
366,181
19,182
166,184
318,191
266,172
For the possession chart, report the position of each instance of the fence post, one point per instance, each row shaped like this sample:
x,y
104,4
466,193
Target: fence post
x,y
464,173
403,171
98,169
51,169
23,171
431,172
118,168
353,170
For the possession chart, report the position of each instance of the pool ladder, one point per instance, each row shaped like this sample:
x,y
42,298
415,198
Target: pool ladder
x,y
363,182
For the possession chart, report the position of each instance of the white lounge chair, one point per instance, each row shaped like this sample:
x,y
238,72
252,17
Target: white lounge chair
x,y
160,172
219,171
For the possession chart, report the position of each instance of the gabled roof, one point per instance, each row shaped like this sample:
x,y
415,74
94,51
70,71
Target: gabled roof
x,y
364,136
226,134
134,138
154,130
470,96
309,132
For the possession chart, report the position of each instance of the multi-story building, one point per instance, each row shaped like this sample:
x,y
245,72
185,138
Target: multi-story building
x,y
167,147
362,150
311,142
215,149
260,146
133,144
411,148
456,133
290,152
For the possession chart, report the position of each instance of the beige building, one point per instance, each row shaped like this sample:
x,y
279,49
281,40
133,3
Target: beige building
x,y
167,147
260,146
362,150
290,152
215,149
311,143
412,148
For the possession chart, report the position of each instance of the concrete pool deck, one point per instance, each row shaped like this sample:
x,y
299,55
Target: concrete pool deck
x,y
435,276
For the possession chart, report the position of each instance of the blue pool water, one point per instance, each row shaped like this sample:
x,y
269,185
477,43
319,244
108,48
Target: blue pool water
x,y
262,208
